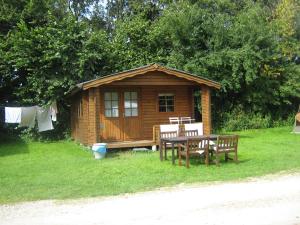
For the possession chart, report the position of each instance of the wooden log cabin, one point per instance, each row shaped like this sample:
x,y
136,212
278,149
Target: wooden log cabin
x,y
125,109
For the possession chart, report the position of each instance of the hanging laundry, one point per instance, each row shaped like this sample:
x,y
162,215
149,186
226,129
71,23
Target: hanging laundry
x,y
44,118
2,114
28,115
54,111
12,114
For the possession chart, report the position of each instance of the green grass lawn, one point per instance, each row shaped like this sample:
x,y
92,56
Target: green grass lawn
x,y
60,170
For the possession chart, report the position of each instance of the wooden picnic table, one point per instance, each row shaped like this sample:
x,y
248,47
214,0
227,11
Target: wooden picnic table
x,y
182,140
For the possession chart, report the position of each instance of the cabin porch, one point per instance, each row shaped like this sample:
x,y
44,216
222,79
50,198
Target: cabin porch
x,y
130,144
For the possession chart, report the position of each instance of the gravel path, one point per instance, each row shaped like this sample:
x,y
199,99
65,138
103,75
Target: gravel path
x,y
268,200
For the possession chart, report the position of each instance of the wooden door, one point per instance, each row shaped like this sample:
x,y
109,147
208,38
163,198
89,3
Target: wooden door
x,y
111,126
131,114
121,117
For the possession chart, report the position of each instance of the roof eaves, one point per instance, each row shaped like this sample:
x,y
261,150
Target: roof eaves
x,y
217,84
116,73
156,67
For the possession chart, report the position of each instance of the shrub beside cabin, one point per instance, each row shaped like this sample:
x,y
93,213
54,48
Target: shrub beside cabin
x,y
124,109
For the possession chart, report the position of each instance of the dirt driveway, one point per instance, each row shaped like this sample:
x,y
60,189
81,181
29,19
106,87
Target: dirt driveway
x,y
268,200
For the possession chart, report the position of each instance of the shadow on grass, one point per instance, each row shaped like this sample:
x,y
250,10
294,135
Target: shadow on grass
x,y
112,154
198,161
13,147
244,161
245,136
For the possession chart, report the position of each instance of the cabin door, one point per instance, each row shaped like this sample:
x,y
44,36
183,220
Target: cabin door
x,y
111,116
121,119
131,115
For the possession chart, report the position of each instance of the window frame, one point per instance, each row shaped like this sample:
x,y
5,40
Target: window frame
x,y
130,101
111,108
165,94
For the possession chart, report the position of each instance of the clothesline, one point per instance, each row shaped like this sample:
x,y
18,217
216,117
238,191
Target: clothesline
x,y
27,116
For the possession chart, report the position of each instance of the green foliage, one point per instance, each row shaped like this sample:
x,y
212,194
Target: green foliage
x,y
250,47
239,120
242,121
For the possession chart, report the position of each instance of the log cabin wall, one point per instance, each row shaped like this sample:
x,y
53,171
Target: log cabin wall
x,y
89,124
149,87
206,110
183,100
148,109
79,118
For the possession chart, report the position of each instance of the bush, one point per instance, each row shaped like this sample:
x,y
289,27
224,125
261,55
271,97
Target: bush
x,y
240,120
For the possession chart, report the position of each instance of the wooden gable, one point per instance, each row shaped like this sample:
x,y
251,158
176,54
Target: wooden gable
x,y
153,71
155,78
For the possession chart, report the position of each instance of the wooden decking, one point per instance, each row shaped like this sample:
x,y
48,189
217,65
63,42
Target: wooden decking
x,y
130,144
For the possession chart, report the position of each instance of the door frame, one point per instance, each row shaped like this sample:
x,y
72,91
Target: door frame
x,y
121,108
139,117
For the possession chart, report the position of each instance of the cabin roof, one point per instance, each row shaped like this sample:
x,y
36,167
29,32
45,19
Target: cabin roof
x,y
143,70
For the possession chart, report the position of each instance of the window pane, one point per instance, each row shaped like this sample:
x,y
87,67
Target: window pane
x,y
134,112
166,102
127,104
114,96
133,95
108,113
134,104
107,104
115,104
127,95
170,102
127,112
162,102
162,109
170,108
115,113
107,96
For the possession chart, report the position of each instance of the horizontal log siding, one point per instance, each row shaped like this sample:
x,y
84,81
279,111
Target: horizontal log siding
x,y
80,122
206,110
150,112
86,128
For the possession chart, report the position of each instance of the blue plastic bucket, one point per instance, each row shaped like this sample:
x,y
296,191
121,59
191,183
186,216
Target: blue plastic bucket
x,y
99,150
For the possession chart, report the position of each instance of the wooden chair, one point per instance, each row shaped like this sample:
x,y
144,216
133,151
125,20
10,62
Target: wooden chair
x,y
174,120
190,133
186,119
194,126
167,134
194,146
226,144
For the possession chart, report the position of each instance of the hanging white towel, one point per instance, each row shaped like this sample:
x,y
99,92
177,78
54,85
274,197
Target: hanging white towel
x,y
44,118
12,114
28,115
54,111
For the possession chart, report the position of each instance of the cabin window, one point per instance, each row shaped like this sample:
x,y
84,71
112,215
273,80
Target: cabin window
x,y
166,102
130,104
111,102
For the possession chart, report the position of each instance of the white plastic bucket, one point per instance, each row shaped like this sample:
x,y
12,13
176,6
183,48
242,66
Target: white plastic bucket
x,y
99,155
99,150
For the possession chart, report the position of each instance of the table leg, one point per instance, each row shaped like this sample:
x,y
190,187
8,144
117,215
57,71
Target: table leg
x,y
207,156
165,149
161,151
173,157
